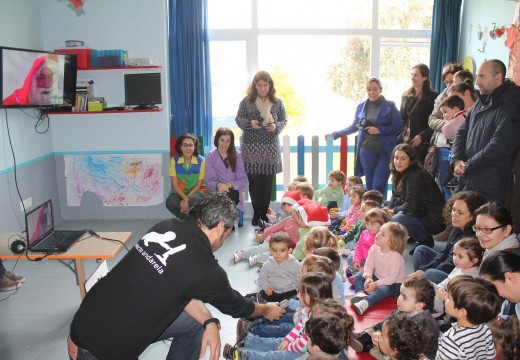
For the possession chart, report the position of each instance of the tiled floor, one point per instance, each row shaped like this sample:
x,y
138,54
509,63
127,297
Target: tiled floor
x,y
35,320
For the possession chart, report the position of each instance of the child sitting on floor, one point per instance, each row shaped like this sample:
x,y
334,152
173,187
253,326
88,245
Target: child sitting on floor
x,y
312,288
308,215
331,196
337,216
473,302
373,199
384,268
374,219
278,278
353,214
416,301
401,339
467,255
335,257
328,330
260,253
506,335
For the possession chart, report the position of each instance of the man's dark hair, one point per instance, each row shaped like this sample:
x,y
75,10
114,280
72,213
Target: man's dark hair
x,y
214,208
499,68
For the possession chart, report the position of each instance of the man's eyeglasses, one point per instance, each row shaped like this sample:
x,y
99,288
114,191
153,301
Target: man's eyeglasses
x,y
188,145
488,231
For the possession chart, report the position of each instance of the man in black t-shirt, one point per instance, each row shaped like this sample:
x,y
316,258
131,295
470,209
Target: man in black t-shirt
x,y
158,289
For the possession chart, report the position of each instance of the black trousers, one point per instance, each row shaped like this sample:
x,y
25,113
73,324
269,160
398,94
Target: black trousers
x,y
260,189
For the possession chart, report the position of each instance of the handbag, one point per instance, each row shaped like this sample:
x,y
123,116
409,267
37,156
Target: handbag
x,y
234,195
430,161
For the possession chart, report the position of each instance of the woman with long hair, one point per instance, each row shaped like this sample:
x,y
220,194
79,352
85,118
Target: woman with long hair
x,y
416,106
416,201
225,171
261,116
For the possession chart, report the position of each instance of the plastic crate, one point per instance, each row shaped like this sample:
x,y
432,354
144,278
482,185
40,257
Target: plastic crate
x,y
83,56
108,58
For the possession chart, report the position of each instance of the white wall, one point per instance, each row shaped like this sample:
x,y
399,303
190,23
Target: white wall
x,y
485,13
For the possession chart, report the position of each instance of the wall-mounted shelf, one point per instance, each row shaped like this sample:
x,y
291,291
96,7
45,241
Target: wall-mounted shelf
x,y
123,68
102,112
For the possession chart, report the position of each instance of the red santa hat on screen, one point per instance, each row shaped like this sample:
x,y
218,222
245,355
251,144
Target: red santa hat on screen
x,y
312,214
291,197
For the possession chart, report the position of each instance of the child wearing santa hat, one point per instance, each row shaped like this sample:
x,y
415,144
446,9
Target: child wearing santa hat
x,y
308,215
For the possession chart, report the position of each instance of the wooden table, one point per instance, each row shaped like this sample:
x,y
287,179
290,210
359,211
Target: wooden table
x,y
88,247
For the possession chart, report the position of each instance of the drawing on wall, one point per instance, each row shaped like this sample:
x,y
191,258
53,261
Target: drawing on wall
x,y
118,180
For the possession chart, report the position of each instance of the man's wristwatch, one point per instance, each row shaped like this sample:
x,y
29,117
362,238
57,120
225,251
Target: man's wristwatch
x,y
209,321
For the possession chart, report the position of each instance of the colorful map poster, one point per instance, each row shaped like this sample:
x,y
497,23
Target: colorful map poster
x,y
118,180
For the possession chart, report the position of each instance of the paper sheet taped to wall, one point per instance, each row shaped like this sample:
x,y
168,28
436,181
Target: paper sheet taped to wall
x,y
118,180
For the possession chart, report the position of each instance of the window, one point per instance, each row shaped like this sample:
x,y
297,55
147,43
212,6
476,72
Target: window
x,y
319,53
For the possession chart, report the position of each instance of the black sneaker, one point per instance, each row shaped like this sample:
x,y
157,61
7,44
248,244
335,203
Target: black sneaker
x,y
228,351
361,342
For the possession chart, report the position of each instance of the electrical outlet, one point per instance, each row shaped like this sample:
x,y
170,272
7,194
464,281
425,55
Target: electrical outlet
x,y
27,203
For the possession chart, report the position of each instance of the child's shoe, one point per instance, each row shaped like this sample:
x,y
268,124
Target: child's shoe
x,y
237,256
360,307
345,251
361,342
253,260
263,224
358,297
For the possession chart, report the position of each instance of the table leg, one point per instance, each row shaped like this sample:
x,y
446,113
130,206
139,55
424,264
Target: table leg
x,y
80,276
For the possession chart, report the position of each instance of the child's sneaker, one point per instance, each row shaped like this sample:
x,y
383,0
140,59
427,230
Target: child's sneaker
x,y
7,284
358,297
237,256
253,260
345,251
263,224
361,342
18,279
360,307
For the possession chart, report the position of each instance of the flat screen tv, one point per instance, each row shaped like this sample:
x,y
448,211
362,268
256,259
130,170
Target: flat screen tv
x,y
34,78
143,90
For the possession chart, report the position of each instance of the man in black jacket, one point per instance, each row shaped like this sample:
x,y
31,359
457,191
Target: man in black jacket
x,y
487,141
150,295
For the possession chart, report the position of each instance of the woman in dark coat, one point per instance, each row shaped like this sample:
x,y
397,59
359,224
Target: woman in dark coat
x,y
416,106
417,201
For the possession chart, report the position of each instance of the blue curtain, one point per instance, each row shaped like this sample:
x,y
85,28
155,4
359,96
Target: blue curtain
x,y
190,81
445,38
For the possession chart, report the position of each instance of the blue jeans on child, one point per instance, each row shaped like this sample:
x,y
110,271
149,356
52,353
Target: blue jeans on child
x,y
276,328
259,348
381,292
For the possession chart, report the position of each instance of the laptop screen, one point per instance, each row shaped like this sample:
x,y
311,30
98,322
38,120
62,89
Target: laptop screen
x,y
39,222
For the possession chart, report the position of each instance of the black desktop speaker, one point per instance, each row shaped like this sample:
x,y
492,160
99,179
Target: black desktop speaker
x,y
18,247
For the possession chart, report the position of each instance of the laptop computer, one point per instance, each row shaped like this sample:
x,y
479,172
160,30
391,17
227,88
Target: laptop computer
x,y
41,236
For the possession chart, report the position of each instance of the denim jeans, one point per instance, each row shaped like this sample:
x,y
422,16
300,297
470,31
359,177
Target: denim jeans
x,y
376,169
416,229
381,292
422,256
257,348
443,160
187,337
254,250
277,328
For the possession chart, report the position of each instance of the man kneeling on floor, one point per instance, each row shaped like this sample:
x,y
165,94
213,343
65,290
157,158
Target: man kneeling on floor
x,y
150,295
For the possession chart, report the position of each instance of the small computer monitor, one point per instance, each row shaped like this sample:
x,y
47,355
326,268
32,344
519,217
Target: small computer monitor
x,y
143,90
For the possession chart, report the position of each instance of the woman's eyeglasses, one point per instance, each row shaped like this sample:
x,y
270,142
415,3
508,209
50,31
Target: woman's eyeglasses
x,y
488,231
188,145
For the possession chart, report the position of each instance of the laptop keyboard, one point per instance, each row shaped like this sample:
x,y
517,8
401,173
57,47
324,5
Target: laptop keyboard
x,y
61,239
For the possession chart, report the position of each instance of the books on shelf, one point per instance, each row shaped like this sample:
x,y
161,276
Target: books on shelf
x,y
84,91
